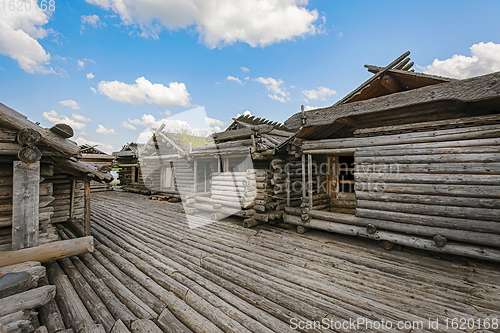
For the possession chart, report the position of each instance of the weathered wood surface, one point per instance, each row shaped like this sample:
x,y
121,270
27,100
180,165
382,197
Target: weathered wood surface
x,y
463,90
260,280
25,205
49,313
11,117
49,251
14,283
27,300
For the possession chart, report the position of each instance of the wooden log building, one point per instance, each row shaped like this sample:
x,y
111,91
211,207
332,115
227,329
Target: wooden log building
x,y
407,158
42,183
240,174
101,160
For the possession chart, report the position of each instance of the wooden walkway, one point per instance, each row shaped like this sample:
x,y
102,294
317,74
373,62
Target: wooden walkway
x,y
222,277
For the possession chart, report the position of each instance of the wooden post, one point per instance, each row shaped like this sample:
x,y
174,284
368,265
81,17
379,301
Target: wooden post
x,y
310,179
303,176
25,202
195,176
205,175
87,208
72,200
287,170
218,164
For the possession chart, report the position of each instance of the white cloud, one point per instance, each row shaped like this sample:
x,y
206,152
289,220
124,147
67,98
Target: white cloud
x,y
92,20
244,69
214,122
81,62
82,133
102,146
93,90
104,131
126,125
235,79
146,120
319,94
246,113
90,75
484,59
166,112
275,86
71,103
143,91
80,118
219,22
54,118
216,129
19,34
310,107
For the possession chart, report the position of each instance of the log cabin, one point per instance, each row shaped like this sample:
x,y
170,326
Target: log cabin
x,y
129,173
407,158
240,174
101,160
42,183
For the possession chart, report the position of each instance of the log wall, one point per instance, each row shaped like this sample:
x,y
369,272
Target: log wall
x,y
439,182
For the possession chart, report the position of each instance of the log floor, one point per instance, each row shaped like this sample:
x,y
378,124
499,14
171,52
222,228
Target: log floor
x,y
175,275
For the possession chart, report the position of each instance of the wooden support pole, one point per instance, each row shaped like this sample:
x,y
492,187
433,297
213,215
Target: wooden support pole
x,y
303,176
72,200
25,205
310,180
218,164
287,170
205,175
195,176
87,209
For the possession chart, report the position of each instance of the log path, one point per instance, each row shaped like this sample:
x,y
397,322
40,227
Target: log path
x,y
155,273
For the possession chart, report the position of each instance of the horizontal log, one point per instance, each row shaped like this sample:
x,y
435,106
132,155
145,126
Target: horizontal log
x,y
480,132
420,159
473,191
452,234
429,151
48,252
430,220
412,178
428,200
472,251
430,168
27,300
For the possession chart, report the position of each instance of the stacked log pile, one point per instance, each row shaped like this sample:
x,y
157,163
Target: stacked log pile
x,y
246,194
23,298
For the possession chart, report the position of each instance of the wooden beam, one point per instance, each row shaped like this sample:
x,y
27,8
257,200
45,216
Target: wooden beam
x,y
310,180
72,200
468,90
391,83
49,251
87,209
25,205
303,176
11,117
347,121
370,80
195,176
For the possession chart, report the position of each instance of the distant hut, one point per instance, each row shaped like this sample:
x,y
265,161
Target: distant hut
x,y
235,175
129,173
410,159
101,160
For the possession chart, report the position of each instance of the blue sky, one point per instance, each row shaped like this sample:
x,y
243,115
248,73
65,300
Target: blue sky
x,y
291,51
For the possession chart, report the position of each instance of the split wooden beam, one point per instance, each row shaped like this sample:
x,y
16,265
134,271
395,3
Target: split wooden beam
x,y
25,205
86,209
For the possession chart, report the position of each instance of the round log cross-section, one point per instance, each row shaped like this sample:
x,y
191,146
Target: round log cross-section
x,y
29,154
29,137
